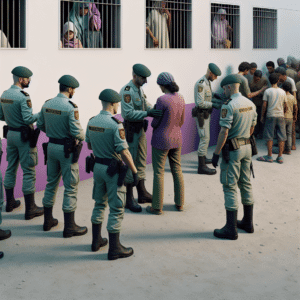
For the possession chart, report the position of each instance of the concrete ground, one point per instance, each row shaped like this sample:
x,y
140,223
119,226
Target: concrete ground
x,y
176,255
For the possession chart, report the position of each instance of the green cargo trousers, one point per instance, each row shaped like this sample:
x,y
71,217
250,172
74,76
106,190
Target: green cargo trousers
x,y
138,150
236,173
158,161
1,189
19,152
106,191
204,134
58,166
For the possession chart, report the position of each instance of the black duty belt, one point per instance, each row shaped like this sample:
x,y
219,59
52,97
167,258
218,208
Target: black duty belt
x,y
57,141
243,142
14,129
103,161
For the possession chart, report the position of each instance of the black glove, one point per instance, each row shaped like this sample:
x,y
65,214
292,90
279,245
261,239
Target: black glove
x,y
215,160
154,113
135,179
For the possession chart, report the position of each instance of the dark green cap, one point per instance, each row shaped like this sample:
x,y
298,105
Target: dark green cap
x,y
141,70
69,81
22,72
215,69
230,79
109,95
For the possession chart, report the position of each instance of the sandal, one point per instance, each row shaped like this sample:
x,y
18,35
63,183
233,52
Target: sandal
x,y
153,211
279,159
265,158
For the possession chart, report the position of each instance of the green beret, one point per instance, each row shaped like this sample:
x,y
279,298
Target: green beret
x,y
69,81
230,79
22,72
109,95
215,69
141,70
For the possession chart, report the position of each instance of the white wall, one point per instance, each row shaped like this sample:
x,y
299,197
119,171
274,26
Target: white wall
x,y
111,68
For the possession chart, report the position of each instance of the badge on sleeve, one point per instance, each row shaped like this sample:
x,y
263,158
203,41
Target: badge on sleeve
x,y
200,89
122,133
127,98
76,114
29,104
224,113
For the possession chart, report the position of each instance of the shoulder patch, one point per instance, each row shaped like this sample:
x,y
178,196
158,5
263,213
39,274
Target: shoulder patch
x,y
127,88
201,81
200,89
26,94
122,134
116,120
127,98
227,101
224,113
29,104
76,115
73,104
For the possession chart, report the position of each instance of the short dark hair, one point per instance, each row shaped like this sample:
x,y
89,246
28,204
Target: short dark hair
x,y
274,78
63,88
258,73
280,70
287,86
270,64
172,87
253,65
244,66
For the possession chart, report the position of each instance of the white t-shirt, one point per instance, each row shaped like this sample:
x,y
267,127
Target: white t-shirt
x,y
291,81
275,98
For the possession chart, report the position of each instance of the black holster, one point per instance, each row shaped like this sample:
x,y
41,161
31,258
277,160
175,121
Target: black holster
x,y
113,168
25,133
45,150
76,152
90,163
68,146
225,152
200,117
145,125
122,173
233,144
253,145
34,136
5,131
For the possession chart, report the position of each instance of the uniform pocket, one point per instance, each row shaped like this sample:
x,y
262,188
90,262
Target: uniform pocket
x,y
121,192
74,176
32,158
224,174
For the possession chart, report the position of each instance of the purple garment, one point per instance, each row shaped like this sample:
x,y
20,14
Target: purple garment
x,y
168,133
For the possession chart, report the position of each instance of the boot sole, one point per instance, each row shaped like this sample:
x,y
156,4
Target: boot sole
x,y
235,237
114,257
30,217
142,201
5,237
207,173
248,230
68,235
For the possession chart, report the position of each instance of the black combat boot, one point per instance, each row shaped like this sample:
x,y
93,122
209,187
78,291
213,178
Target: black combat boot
x,y
130,201
247,221
71,228
203,169
4,234
49,221
31,210
11,203
1,255
207,161
143,195
98,241
116,250
229,231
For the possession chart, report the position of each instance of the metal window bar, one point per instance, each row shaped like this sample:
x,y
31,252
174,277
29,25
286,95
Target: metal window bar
x,y
220,33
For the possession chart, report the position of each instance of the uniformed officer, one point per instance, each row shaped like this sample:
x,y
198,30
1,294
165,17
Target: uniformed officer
x,y
238,119
105,135
4,234
204,104
59,119
135,108
16,111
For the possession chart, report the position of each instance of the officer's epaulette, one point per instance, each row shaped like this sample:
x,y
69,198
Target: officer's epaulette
x,y
26,94
116,120
227,101
48,100
74,105
92,118
127,88
201,81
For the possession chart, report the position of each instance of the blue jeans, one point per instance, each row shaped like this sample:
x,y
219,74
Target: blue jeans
x,y
289,129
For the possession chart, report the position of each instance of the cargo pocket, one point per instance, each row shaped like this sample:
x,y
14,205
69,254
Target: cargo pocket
x,y
121,192
74,176
32,158
224,174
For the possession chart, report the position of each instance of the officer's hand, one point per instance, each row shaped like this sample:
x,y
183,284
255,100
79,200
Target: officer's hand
x,y
215,160
155,113
135,179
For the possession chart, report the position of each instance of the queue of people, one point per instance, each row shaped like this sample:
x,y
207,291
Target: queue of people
x,y
119,149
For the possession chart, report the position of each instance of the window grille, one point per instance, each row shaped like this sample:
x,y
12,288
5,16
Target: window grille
x,y
170,27
264,28
13,24
96,23
225,26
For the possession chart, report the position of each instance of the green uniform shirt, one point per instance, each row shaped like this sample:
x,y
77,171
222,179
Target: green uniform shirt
x,y
238,114
106,135
59,118
16,108
203,94
134,105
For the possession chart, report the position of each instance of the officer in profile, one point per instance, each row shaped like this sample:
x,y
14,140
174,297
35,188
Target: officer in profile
x,y
202,112
105,135
16,111
238,119
135,108
59,119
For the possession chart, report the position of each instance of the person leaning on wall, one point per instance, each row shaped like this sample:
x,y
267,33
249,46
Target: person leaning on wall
x,y
167,142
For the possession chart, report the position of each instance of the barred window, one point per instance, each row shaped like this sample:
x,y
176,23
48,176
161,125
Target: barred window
x,y
264,28
90,24
225,26
13,24
169,24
